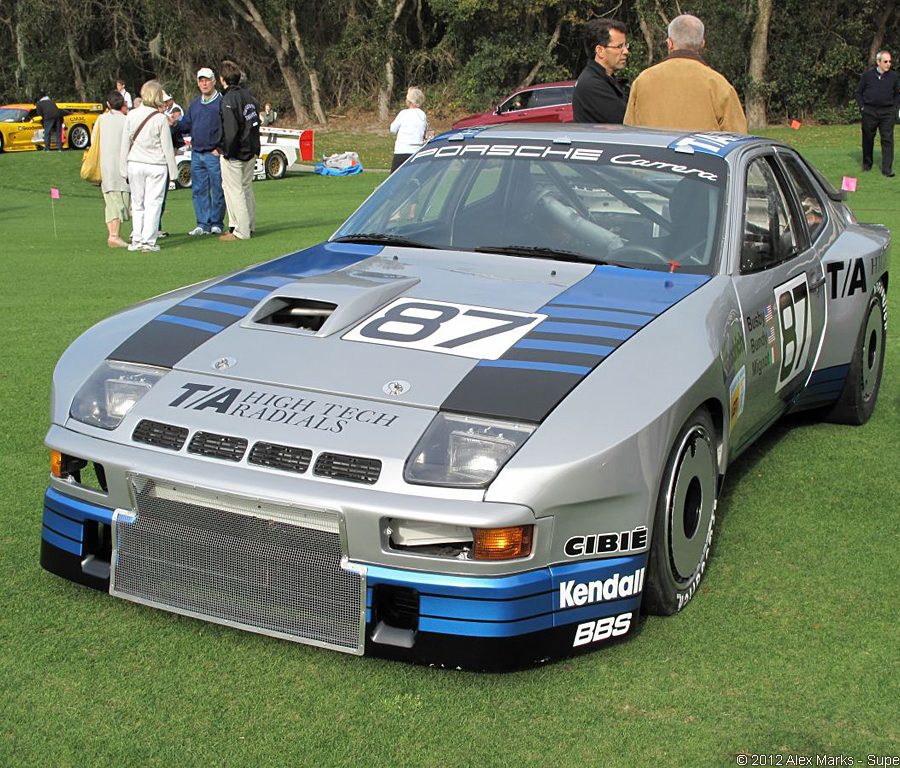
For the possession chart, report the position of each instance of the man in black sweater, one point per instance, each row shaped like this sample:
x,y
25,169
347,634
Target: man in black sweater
x,y
51,119
599,97
878,95
239,149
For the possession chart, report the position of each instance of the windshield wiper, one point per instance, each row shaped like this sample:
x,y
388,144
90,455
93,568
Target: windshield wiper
x,y
380,238
539,252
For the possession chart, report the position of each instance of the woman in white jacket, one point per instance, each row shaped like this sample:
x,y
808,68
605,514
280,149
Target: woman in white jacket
x,y
147,161
410,126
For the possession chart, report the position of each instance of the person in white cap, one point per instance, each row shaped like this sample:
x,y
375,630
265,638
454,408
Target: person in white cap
x,y
173,111
203,122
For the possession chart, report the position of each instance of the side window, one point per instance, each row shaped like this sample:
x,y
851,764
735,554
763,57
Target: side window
x,y
549,97
770,235
810,201
519,101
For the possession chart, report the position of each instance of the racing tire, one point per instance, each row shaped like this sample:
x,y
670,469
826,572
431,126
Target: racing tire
x,y
857,401
1,142
685,518
183,175
276,165
79,137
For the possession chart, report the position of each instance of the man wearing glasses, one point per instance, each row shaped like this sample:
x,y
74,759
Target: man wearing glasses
x,y
599,97
683,92
877,95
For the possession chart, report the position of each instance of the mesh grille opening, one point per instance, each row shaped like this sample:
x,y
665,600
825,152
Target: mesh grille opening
x,y
247,563
284,457
355,469
159,434
218,446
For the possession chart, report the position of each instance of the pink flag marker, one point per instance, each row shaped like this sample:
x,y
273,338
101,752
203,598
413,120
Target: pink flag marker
x,y
54,193
849,184
795,124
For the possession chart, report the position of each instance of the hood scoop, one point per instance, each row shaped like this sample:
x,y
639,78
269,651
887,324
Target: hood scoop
x,y
328,304
298,314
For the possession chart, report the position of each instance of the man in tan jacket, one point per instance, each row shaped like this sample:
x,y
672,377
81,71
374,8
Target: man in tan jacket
x,y
684,92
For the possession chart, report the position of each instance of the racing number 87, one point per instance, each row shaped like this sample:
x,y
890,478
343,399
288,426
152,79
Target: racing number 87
x,y
794,319
410,315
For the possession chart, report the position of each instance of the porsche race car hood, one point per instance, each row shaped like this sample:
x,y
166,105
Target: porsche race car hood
x,y
373,328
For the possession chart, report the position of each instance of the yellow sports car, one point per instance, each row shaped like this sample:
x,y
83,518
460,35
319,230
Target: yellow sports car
x,y
21,128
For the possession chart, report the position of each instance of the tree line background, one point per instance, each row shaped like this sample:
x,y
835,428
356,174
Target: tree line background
x,y
317,59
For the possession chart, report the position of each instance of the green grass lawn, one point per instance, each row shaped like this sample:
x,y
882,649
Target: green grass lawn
x,y
792,645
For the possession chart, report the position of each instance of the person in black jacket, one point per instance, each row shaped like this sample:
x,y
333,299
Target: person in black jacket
x,y
239,149
878,95
599,97
51,118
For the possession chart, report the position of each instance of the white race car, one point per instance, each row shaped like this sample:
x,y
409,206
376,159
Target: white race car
x,y
280,149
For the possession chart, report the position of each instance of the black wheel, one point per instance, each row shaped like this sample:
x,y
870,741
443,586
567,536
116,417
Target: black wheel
x,y
685,518
183,177
857,400
276,165
79,137
1,142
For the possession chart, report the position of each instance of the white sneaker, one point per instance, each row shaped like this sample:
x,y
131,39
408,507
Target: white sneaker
x,y
148,248
216,230
135,246
198,231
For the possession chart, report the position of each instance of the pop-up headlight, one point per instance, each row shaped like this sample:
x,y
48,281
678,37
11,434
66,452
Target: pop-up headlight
x,y
112,391
464,451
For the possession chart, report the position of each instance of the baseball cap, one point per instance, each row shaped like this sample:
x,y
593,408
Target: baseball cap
x,y
166,96
204,72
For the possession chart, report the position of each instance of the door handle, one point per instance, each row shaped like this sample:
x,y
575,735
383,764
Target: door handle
x,y
817,283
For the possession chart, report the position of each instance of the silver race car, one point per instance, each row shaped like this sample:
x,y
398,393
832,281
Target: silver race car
x,y
486,423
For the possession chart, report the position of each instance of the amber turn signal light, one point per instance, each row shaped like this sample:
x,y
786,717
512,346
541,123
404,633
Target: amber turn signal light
x,y
503,543
56,463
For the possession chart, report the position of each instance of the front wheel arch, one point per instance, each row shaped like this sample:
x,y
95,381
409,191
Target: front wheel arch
x,y
685,516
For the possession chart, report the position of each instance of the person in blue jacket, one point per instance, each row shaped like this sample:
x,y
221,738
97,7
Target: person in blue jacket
x,y
203,121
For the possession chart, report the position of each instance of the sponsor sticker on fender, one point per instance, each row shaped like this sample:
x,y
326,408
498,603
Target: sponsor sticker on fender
x,y
573,594
602,629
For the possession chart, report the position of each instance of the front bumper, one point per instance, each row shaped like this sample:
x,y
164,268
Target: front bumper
x,y
491,622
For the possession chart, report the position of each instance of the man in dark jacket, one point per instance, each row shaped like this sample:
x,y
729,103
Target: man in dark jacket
x,y
599,96
239,149
51,118
877,95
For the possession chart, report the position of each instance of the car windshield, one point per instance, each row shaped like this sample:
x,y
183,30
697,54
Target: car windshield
x,y
649,208
12,115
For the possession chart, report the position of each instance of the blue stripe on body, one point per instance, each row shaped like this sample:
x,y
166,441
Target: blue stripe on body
x,y
216,306
582,329
505,606
69,528
61,542
529,365
189,323
152,344
237,290
596,315
564,346
76,509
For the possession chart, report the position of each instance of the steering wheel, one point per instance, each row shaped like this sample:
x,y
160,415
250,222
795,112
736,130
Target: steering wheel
x,y
636,249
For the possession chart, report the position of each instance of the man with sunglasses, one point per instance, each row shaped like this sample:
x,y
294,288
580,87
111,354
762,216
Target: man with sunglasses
x,y
599,97
683,92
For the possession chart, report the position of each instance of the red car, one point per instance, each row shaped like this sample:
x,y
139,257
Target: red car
x,y
544,103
